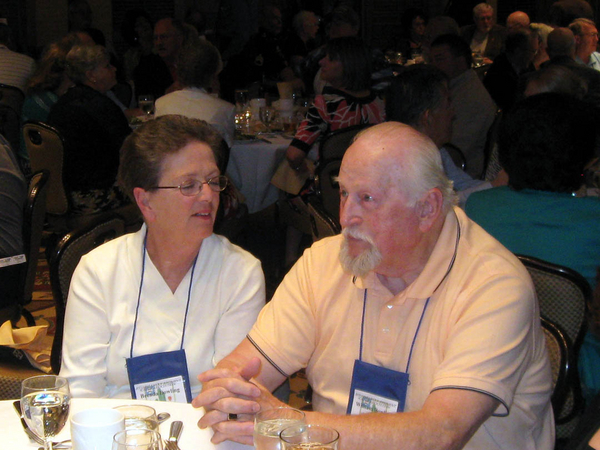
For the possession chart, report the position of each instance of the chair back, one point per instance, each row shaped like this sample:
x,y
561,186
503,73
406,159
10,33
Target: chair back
x,y
64,260
490,143
559,349
323,224
458,157
33,227
332,150
563,296
45,146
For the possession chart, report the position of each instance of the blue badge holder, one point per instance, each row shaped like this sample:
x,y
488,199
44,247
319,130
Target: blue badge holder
x,y
157,366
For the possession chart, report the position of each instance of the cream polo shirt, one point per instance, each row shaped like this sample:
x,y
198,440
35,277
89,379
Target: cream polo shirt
x,y
481,331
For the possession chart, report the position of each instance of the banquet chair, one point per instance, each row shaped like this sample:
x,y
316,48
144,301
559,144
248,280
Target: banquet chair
x,y
11,103
458,157
64,260
563,296
45,146
331,151
323,224
18,279
490,151
559,350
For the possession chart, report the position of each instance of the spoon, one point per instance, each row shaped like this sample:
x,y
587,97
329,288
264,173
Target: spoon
x,y
162,417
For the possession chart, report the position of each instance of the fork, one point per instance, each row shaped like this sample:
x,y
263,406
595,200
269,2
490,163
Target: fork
x,y
175,431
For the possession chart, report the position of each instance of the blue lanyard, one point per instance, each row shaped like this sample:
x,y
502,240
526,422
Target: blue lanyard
x,y
137,308
362,330
362,325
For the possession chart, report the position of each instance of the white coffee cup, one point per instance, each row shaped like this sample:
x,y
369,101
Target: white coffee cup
x,y
93,429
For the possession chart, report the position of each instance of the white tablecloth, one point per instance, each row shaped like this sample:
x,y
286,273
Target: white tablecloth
x,y
251,166
192,437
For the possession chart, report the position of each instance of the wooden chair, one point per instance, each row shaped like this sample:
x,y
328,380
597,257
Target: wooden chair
x,y
45,146
559,349
64,260
563,296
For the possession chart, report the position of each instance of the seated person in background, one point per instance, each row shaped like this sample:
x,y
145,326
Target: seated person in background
x,y
542,30
474,109
303,38
419,97
544,145
436,27
346,102
172,285
484,36
198,67
517,20
410,270
137,32
93,128
13,192
15,68
586,42
502,79
414,21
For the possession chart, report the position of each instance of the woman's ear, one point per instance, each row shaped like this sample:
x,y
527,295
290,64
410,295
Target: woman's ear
x,y
142,199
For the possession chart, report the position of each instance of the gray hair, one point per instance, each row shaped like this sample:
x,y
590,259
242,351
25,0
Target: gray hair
x,y
542,31
197,64
426,168
481,8
82,58
578,24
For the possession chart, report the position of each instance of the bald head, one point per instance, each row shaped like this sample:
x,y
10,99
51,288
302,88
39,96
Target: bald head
x,y
561,42
517,20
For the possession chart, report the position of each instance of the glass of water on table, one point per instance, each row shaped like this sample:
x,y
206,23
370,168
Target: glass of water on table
x,y
309,437
45,402
269,423
146,104
139,417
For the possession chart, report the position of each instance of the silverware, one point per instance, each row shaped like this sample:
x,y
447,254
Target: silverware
x,y
162,417
175,431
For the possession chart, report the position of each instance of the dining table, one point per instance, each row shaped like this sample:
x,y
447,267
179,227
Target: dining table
x,y
252,164
192,437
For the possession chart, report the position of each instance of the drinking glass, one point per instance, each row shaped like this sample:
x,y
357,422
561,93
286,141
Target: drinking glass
x,y
313,437
268,424
241,99
146,103
138,439
139,416
45,402
267,115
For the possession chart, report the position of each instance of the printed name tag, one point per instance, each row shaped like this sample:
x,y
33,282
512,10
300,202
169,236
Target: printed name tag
x,y
366,402
166,390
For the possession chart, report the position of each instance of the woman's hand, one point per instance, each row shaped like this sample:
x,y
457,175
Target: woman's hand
x,y
296,158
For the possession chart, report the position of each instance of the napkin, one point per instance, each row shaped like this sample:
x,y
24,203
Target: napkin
x,y
31,341
290,180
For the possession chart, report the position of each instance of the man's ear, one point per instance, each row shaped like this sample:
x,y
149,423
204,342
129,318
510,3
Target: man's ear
x,y
142,199
429,208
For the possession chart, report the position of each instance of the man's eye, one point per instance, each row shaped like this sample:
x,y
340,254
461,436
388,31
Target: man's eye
x,y
343,193
367,198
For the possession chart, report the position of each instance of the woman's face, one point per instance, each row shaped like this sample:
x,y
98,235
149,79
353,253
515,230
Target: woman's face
x,y
332,71
143,29
103,77
418,26
188,217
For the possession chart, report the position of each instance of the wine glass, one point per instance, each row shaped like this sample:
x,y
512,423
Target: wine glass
x,y
45,402
146,103
138,439
267,115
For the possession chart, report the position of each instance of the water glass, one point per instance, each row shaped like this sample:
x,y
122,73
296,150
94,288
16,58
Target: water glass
x,y
138,439
45,402
267,116
268,424
146,103
313,437
241,99
139,416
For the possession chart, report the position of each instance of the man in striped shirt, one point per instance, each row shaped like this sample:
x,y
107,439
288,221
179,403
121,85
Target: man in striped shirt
x,y
15,68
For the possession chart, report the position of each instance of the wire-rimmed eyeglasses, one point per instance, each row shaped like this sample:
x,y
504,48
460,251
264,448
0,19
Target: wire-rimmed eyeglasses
x,y
192,187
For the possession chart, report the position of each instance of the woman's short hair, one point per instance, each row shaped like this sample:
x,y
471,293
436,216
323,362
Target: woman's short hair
x,y
144,150
128,26
197,64
409,15
82,58
545,141
482,8
356,61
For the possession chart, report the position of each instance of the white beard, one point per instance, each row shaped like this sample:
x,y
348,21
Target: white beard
x,y
365,262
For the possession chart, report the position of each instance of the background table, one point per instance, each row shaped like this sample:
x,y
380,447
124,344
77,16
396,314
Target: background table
x,y
192,437
251,166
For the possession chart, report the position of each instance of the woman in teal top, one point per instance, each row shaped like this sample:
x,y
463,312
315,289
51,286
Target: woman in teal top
x,y
544,144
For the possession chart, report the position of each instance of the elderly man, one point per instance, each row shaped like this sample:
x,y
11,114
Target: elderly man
x,y
411,290
484,36
302,41
517,20
198,67
156,72
474,108
586,41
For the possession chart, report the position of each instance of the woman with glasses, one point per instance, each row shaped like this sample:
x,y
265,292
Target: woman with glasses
x,y
149,311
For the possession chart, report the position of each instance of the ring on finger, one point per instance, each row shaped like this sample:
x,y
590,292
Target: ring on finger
x,y
232,416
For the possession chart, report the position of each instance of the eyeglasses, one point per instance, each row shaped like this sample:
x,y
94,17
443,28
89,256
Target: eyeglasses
x,y
590,34
192,187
